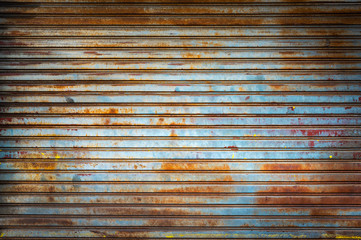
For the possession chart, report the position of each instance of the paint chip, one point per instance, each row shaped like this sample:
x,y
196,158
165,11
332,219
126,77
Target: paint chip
x,y
69,100
170,236
352,237
330,156
233,155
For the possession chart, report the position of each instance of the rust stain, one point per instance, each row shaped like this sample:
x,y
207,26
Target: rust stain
x,y
233,148
173,133
299,189
42,222
51,165
93,53
188,166
280,87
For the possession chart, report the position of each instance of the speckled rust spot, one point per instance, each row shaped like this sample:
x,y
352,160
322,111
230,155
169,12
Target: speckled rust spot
x,y
283,167
49,165
186,166
144,211
160,121
172,222
284,87
283,198
200,189
191,55
43,222
113,111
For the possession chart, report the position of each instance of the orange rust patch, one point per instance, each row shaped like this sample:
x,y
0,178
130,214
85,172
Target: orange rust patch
x,y
160,121
284,166
127,110
173,134
113,111
36,165
191,55
280,87
174,166
241,89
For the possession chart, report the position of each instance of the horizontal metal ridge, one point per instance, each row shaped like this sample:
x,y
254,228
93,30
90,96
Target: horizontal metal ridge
x,y
221,149
90,161
156,2
137,104
180,20
276,217
224,195
217,93
254,127
54,14
211,172
316,184
160,138
45,4
174,116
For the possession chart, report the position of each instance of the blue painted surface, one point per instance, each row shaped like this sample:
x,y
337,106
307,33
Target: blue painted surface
x,y
245,128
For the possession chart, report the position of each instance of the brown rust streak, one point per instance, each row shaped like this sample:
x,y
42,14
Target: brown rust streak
x,y
189,20
49,165
283,87
175,9
296,200
41,221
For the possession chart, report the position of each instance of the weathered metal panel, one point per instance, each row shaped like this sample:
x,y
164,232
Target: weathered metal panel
x,y
200,119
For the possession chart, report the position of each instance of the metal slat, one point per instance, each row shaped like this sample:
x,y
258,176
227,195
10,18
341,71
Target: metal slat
x,y
185,42
199,119
181,31
186,20
128,9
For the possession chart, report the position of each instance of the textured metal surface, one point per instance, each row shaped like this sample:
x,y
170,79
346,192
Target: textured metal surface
x,y
199,119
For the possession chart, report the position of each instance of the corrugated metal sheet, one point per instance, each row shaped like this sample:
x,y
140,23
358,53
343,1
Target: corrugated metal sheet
x,y
161,119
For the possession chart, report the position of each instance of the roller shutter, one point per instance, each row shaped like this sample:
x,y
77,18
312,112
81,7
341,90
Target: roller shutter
x,y
192,119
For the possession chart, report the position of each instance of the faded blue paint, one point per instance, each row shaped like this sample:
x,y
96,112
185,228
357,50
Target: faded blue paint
x,y
91,153
190,75
113,142
345,120
159,132
122,131
188,98
203,109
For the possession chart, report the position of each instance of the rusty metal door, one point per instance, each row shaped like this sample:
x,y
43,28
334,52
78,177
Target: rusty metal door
x,y
199,119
